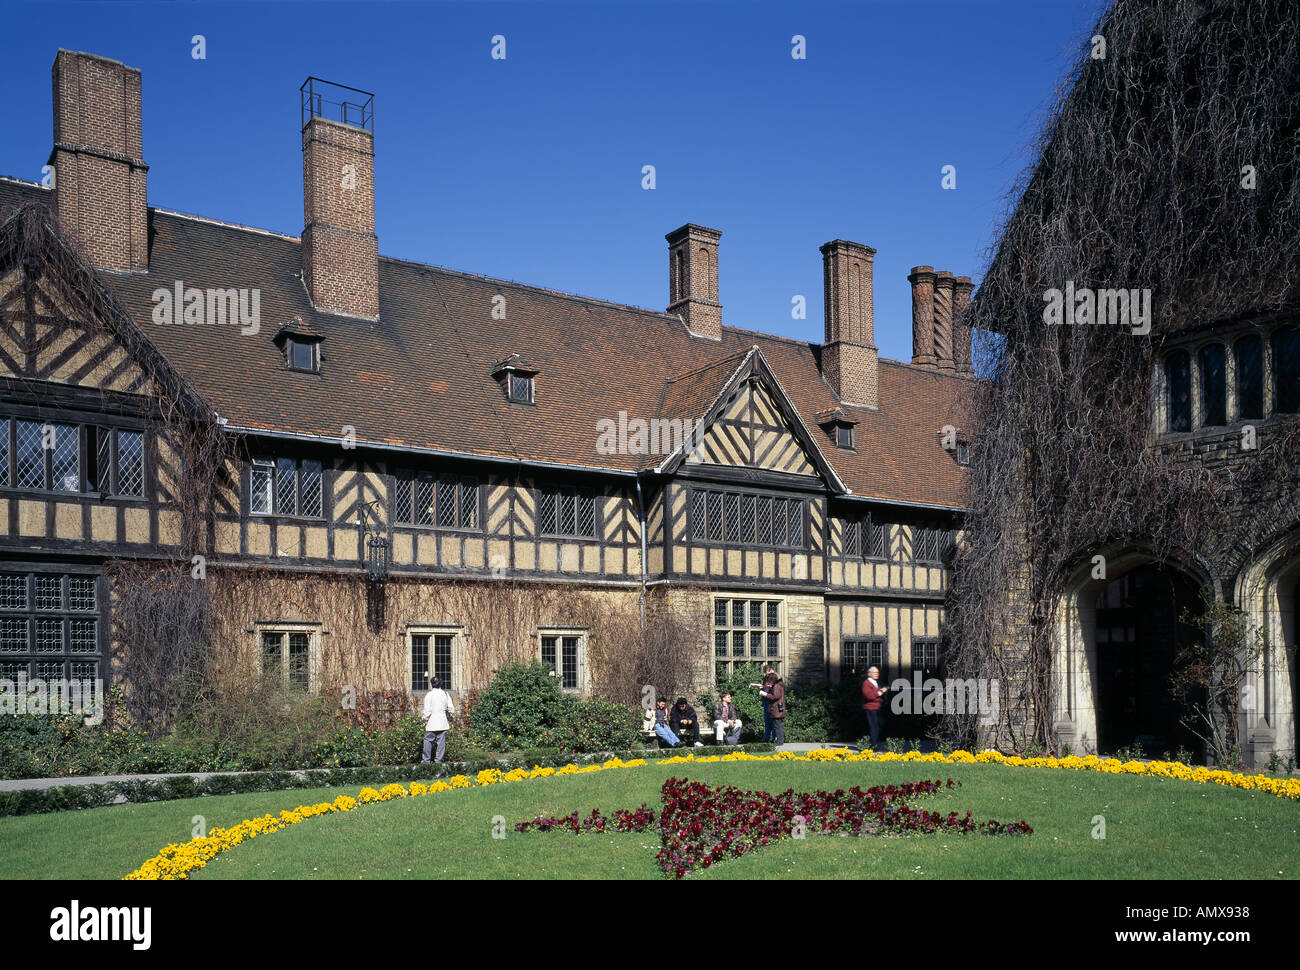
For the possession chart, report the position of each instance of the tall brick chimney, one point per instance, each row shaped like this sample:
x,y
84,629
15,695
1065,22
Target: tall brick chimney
x,y
943,292
922,280
340,251
693,279
99,174
850,362
941,336
961,343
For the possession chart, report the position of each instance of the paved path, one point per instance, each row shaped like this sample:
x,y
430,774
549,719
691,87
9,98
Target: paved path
x,y
19,784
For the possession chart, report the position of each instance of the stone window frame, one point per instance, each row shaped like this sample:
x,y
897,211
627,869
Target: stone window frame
x,y
748,628
1228,341
314,631
459,635
560,633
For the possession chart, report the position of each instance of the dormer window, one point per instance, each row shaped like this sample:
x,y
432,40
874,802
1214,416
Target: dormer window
x,y
521,388
301,354
839,426
956,442
300,346
517,380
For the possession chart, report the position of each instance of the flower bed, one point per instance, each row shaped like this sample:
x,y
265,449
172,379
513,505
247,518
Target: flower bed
x,y
177,861
701,825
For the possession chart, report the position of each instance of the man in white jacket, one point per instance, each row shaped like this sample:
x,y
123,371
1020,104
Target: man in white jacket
x,y
437,706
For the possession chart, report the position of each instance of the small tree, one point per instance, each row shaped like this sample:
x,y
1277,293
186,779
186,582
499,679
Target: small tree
x,y
1209,676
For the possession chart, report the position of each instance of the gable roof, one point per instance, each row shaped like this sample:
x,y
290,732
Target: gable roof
x,y
692,392
420,377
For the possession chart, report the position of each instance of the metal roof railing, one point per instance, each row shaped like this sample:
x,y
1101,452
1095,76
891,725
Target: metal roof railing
x,y
337,102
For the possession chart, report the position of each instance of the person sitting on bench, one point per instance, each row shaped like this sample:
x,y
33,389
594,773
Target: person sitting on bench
x,y
662,728
684,722
726,721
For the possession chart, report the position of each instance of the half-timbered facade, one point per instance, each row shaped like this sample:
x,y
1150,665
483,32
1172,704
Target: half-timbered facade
x,y
506,450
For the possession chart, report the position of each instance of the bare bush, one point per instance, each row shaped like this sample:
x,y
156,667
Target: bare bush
x,y
161,629
666,655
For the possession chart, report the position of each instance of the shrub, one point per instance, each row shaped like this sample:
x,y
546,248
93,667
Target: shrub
x,y
402,742
519,708
748,704
595,724
823,713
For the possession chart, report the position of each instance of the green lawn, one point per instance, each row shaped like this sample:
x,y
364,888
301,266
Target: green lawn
x,y
1155,828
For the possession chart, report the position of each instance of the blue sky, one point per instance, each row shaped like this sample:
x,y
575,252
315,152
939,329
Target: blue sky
x,y
530,168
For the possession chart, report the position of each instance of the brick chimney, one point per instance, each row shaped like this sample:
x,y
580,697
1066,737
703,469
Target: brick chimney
x,y
922,280
340,251
693,279
850,362
99,174
961,343
941,337
943,293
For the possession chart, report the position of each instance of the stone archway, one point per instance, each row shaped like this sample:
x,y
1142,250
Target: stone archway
x,y
1117,632
1269,589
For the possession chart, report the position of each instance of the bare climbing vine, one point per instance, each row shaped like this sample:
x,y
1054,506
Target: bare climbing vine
x,y
1140,182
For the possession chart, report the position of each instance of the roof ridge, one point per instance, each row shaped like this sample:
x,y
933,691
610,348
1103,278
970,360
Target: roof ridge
x,y
718,362
18,181
531,286
208,220
918,369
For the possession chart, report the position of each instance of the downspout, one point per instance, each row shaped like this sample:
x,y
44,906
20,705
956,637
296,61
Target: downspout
x,y
640,504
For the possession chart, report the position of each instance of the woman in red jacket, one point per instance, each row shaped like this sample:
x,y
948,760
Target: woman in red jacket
x,y
872,692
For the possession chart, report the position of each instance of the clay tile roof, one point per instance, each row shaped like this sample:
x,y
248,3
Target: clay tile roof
x,y
419,377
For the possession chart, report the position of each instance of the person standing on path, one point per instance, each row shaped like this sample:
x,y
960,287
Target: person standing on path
x,y
437,707
774,692
769,675
872,692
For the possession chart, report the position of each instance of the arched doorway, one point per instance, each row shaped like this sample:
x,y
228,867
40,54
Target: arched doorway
x,y
1270,591
1141,625
1119,628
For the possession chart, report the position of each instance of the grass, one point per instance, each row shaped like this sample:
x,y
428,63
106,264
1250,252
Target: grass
x,y
1155,828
